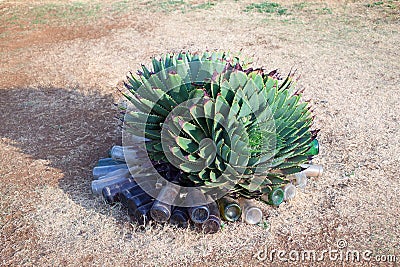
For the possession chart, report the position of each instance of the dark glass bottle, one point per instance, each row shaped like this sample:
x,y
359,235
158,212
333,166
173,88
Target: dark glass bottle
x,y
98,185
111,194
126,194
138,200
141,215
179,217
161,210
198,212
135,190
229,209
213,223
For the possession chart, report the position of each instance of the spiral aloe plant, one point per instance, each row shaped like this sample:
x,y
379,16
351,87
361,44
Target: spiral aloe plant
x,y
224,125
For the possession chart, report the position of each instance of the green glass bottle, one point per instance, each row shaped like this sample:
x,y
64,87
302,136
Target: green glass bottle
x,y
274,197
314,148
229,209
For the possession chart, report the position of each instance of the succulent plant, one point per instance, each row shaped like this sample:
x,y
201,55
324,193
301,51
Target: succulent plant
x,y
222,124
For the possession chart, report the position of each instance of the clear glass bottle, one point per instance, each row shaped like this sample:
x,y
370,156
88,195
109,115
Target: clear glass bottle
x,y
312,170
161,210
127,153
98,185
229,209
251,214
117,153
198,212
120,172
289,192
104,170
301,180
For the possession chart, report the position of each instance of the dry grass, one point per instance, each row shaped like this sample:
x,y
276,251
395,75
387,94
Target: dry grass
x,y
57,87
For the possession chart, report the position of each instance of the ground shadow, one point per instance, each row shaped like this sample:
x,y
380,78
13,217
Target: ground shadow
x,y
68,128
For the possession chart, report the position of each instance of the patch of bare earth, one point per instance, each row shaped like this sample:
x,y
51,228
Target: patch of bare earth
x,y
57,89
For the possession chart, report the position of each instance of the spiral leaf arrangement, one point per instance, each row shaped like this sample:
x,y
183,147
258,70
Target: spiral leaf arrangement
x,y
222,124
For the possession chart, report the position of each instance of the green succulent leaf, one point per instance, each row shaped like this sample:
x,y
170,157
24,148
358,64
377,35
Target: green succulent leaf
x,y
186,144
227,127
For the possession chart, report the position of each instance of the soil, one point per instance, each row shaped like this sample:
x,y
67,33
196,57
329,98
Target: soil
x,y
58,86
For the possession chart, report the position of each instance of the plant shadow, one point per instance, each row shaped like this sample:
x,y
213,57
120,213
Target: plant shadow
x,y
68,129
